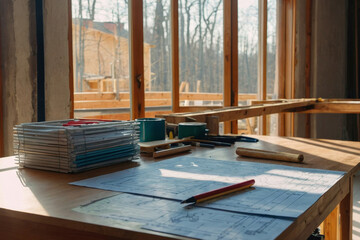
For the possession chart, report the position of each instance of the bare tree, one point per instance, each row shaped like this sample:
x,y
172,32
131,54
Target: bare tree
x,y
91,9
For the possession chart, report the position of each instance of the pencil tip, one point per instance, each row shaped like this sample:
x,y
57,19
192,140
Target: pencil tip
x,y
189,200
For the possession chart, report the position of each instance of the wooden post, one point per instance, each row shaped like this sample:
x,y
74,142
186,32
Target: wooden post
x,y
290,24
40,61
137,59
346,209
281,59
212,124
308,63
175,54
331,225
357,80
230,61
1,110
71,67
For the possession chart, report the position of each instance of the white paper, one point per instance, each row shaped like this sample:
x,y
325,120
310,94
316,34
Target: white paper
x,y
171,217
278,191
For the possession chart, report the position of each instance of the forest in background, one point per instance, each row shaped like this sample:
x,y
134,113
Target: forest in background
x,y
200,41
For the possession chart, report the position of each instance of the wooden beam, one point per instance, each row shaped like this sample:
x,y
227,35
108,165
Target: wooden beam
x,y
184,109
235,113
118,104
175,54
83,96
137,59
71,67
336,107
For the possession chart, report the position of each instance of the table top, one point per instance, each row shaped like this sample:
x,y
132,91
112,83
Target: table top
x,y
46,197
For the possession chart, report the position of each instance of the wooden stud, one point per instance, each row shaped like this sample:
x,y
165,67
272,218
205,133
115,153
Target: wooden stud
x,y
137,59
357,80
175,54
71,67
308,47
1,109
234,61
293,54
290,7
281,59
230,60
308,63
227,60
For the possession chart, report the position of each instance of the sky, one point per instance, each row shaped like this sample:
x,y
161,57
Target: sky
x,y
107,10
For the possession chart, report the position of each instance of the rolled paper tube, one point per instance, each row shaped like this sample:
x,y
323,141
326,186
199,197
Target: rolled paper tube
x,y
171,151
279,156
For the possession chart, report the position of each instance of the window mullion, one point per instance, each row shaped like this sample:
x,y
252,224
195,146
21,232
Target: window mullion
x,y
230,60
137,82
175,55
262,58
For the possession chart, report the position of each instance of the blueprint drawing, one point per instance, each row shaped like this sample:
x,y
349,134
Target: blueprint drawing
x,y
279,190
170,217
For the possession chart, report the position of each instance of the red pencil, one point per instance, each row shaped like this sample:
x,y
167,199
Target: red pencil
x,y
219,192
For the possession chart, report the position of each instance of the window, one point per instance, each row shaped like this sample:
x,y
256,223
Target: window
x,y
248,49
157,56
201,67
184,63
101,59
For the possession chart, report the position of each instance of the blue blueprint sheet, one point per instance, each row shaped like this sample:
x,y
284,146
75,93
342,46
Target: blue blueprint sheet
x,y
170,217
279,190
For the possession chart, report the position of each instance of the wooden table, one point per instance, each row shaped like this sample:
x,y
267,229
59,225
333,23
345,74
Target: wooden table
x,y
38,204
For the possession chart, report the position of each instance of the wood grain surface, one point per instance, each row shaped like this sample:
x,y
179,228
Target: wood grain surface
x,y
37,204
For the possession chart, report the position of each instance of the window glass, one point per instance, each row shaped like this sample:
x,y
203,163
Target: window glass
x,y
201,52
101,59
157,55
248,40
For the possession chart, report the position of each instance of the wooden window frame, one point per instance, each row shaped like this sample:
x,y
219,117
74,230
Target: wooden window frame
x,y
286,51
286,61
2,153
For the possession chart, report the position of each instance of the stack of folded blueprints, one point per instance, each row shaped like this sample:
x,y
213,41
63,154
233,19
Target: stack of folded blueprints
x,y
75,145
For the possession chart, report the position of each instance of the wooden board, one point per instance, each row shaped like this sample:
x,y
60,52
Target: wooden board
x,y
269,107
151,146
234,113
336,106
